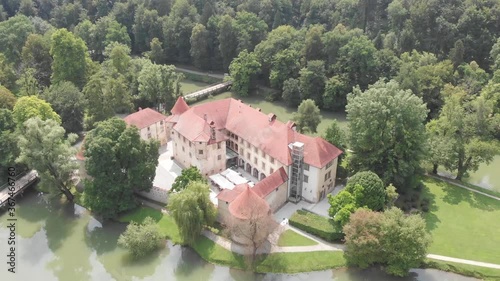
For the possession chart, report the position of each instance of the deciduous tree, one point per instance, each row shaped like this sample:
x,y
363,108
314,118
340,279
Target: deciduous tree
x,y
373,194
387,133
31,106
43,147
312,81
336,136
242,71
7,99
187,176
192,209
141,239
157,85
68,102
120,163
291,92
307,117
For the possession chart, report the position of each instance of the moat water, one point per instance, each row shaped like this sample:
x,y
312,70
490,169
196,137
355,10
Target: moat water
x,y
60,241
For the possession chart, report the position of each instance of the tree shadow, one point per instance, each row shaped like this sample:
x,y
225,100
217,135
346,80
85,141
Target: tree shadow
x,y
188,260
104,239
455,195
431,220
60,224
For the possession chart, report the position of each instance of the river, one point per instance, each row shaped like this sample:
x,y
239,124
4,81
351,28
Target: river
x,y
59,241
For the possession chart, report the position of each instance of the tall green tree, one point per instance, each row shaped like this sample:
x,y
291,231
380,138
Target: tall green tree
x,y
156,55
43,147
335,135
243,70
199,46
192,209
312,81
147,25
285,65
291,92
177,31
313,48
373,194
9,148
335,95
68,102
31,106
27,83
463,127
7,99
7,73
13,34
228,41
69,53
307,117
120,163
387,133
36,54
157,85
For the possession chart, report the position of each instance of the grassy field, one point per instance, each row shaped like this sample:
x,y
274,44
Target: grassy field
x,y
189,86
292,238
212,252
283,112
463,224
483,273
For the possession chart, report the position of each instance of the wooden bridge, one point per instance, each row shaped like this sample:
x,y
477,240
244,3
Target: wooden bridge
x,y
214,89
22,181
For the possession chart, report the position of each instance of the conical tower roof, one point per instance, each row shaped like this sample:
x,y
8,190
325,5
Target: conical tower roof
x,y
249,205
180,106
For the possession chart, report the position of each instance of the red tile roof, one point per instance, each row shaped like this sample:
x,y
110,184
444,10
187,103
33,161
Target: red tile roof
x,y
143,118
270,183
180,106
273,137
228,195
249,205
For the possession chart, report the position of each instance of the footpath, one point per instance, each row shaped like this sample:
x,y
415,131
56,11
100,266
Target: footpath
x,y
463,186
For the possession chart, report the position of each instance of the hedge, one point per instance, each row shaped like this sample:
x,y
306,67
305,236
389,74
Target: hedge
x,y
317,225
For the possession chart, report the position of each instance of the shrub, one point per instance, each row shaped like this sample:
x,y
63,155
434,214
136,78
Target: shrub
x,y
373,190
141,239
317,225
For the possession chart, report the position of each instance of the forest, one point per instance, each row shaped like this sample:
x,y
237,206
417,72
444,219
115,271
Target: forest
x,y
90,59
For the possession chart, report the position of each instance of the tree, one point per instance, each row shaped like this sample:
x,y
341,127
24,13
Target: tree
x,y
373,194
405,241
9,149
157,85
336,136
464,129
7,73
98,101
285,65
392,238
199,46
390,195
335,95
312,81
141,239
191,209
387,133
313,49
187,176
156,54
343,205
69,53
291,92
27,8
36,54
242,71
31,106
68,102
119,56
228,40
44,148
7,99
457,54
362,238
251,30
307,117
119,163
27,83
177,30
13,34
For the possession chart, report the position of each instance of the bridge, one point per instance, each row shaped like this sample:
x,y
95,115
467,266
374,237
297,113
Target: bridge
x,y
213,89
22,181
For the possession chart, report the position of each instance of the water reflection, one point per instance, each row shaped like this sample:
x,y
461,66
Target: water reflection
x,y
58,241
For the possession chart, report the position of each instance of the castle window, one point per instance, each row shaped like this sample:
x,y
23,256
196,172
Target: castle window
x,y
306,178
306,167
200,151
218,145
219,157
329,164
271,159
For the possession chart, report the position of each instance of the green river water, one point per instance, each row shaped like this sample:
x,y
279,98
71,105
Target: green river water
x,y
59,241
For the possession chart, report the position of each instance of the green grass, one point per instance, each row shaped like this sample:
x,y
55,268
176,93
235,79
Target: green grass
x,y
282,111
464,269
167,225
190,86
292,238
463,224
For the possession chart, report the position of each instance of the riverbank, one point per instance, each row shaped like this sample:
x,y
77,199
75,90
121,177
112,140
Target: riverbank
x,y
284,262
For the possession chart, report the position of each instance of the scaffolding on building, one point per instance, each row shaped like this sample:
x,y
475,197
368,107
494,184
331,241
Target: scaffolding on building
x,y
297,172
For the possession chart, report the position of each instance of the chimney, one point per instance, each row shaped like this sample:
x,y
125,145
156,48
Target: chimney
x,y
258,109
271,117
212,130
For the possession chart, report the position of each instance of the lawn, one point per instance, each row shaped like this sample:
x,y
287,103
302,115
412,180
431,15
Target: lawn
x,y
464,269
282,111
292,238
463,224
212,252
167,225
189,86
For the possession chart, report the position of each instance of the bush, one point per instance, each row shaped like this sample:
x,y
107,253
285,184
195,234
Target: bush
x,y
373,190
317,225
141,239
